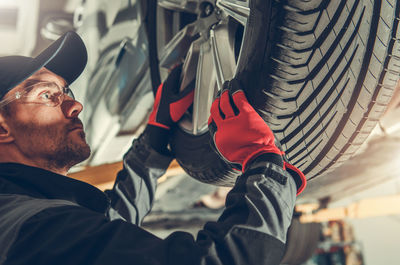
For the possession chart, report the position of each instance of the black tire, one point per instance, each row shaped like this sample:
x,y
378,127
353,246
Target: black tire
x,y
320,73
195,155
302,241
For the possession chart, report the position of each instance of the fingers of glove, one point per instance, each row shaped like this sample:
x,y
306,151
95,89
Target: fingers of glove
x,y
241,102
172,82
225,105
178,108
238,96
156,105
234,86
215,112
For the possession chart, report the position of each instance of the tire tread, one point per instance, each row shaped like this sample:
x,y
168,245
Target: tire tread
x,y
306,56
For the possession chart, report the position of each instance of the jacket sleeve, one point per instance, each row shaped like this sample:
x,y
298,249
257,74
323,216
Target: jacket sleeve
x,y
253,227
251,230
133,192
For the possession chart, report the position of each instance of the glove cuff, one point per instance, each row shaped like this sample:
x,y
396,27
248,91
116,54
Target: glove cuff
x,y
262,152
278,160
298,177
266,157
158,138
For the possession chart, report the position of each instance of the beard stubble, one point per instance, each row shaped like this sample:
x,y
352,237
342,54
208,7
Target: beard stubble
x,y
56,144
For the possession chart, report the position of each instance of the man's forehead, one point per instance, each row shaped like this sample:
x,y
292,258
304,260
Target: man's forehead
x,y
45,75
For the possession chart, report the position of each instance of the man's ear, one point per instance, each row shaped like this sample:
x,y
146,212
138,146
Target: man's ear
x,y
5,132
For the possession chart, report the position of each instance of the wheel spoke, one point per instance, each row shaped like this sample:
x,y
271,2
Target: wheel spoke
x,y
178,47
237,9
205,89
188,75
223,54
190,65
180,5
207,46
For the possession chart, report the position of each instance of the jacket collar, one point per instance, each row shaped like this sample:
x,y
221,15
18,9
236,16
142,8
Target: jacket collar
x,y
39,183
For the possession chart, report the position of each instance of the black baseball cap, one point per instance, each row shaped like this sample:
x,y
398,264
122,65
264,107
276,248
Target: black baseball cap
x,y
66,57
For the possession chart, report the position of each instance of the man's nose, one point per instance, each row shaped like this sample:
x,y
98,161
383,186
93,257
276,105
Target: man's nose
x,y
71,108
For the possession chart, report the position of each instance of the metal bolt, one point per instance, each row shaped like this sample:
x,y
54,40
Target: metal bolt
x,y
207,9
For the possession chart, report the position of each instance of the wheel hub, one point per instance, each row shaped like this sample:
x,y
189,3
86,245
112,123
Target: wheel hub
x,y
206,9
209,49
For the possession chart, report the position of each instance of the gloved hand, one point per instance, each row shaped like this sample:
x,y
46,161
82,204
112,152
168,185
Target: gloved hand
x,y
240,135
169,106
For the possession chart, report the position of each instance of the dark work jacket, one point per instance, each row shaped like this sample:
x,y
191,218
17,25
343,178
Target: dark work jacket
x,y
46,218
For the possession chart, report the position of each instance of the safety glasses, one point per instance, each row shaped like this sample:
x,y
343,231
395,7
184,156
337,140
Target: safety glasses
x,y
45,93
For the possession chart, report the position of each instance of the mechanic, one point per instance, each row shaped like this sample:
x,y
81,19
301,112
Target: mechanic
x,y
49,218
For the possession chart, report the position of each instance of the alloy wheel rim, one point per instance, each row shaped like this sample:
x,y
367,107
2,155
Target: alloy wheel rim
x,y
210,48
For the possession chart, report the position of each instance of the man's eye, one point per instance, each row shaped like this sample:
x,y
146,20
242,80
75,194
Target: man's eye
x,y
45,96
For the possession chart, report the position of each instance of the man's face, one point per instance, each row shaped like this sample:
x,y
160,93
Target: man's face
x,y
51,134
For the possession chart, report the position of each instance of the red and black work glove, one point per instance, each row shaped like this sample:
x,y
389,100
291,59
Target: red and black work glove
x,y
169,106
240,135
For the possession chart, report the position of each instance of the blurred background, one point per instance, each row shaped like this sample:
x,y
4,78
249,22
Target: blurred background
x,y
358,223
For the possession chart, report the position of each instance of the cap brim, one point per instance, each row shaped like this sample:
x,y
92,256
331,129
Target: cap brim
x,y
66,57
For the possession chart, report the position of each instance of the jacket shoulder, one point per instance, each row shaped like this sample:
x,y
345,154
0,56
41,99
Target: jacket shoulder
x,y
15,210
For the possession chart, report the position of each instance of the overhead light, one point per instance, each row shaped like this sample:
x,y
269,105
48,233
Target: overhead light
x,y
8,18
18,23
6,3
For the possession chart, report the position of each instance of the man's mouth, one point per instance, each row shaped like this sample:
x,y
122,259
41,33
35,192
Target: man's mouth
x,y
77,128
77,125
